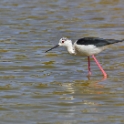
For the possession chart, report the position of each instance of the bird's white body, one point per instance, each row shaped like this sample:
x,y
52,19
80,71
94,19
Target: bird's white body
x,y
87,50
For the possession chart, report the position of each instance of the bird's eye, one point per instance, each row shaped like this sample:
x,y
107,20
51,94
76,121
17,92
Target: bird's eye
x,y
63,41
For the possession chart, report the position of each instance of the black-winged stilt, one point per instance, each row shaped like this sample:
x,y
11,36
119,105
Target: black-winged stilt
x,y
87,46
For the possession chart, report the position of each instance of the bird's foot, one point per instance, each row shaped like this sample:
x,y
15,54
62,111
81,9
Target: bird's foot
x,y
105,76
89,74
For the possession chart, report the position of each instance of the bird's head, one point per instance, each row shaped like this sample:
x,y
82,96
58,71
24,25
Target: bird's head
x,y
62,42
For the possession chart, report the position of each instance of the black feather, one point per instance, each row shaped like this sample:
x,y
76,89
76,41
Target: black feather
x,y
98,42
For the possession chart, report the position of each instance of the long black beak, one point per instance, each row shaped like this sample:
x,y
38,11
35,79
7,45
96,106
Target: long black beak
x,y
52,48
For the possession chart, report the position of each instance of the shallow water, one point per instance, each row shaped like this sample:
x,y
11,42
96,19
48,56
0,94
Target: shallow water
x,y
38,87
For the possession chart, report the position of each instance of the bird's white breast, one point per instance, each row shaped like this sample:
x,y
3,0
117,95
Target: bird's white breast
x,y
87,50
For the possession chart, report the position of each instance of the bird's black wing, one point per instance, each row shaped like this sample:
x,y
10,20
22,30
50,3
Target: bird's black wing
x,y
98,42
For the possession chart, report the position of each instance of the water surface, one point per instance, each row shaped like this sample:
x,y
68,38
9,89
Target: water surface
x,y
38,87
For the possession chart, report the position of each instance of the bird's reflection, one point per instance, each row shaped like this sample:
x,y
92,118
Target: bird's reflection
x,y
85,86
102,79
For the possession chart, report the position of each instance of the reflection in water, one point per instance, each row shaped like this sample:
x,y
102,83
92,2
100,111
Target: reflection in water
x,y
75,94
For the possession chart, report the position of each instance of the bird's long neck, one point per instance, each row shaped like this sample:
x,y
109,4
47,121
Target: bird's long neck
x,y
70,49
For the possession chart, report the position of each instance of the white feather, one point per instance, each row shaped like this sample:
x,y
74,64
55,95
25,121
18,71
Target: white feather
x,y
87,50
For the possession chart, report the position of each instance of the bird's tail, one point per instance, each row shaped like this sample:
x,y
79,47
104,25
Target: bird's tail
x,y
112,41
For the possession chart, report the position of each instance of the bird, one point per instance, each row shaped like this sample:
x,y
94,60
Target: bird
x,y
87,46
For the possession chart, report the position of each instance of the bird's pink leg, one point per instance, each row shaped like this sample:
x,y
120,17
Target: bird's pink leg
x,y
104,73
89,70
